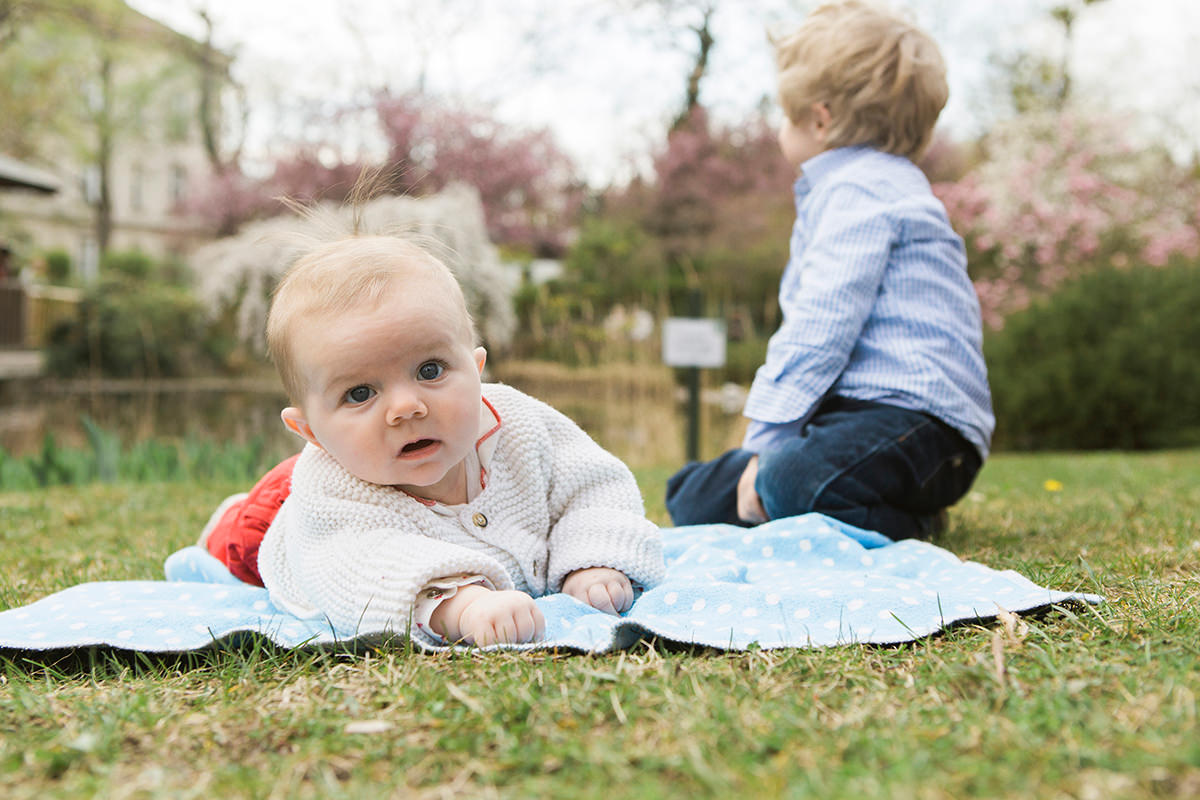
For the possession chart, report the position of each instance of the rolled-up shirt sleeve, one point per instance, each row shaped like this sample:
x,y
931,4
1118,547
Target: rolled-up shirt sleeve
x,y
840,251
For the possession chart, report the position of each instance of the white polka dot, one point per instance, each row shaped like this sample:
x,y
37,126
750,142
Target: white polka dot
x,y
750,612
699,623
912,601
867,560
156,615
260,605
221,595
751,631
833,624
855,605
929,593
822,593
184,597
76,626
886,614
748,538
698,605
703,557
125,634
772,599
230,614
21,615
961,609
768,551
724,608
801,613
200,629
843,546
859,584
164,631
777,626
174,640
863,633
827,562
37,635
805,545
670,598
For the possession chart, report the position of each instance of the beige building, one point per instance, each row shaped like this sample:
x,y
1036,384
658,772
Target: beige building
x,y
144,90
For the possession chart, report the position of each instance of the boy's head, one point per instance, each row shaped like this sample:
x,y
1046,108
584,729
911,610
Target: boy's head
x,y
376,349
854,73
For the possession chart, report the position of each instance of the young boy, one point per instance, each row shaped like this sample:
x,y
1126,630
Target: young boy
x,y
423,495
873,404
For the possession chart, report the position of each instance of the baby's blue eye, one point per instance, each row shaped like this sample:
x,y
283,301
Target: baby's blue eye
x,y
430,370
360,394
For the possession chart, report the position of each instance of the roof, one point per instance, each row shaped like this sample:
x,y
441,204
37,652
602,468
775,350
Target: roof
x,y
17,175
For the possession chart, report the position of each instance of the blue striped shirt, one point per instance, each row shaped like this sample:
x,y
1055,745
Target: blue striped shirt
x,y
876,304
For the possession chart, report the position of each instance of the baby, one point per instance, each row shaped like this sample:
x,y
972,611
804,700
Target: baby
x,y
425,501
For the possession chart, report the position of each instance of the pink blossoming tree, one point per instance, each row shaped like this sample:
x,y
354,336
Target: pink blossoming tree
x,y
1057,195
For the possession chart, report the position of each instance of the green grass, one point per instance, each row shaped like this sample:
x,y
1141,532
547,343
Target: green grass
x,y
1076,703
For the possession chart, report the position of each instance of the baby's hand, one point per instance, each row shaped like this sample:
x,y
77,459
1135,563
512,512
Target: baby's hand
x,y
480,616
608,590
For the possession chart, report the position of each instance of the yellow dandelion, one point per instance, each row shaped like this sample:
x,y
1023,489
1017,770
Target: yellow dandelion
x,y
1052,485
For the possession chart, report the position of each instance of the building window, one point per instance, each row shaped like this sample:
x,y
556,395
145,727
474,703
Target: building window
x,y
90,184
89,259
137,188
177,185
179,117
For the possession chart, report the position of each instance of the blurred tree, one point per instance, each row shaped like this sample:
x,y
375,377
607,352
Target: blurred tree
x,y
88,77
529,186
1059,195
1036,80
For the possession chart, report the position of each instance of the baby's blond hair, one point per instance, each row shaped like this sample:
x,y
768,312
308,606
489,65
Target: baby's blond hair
x,y
347,273
881,77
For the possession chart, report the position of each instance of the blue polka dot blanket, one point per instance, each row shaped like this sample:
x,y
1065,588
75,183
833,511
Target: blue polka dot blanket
x,y
806,581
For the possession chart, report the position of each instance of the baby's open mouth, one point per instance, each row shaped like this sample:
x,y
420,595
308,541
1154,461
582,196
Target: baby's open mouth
x,y
420,444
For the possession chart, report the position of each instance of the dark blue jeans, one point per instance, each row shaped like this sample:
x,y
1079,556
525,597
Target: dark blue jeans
x,y
871,465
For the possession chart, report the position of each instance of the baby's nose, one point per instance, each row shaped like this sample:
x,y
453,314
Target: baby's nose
x,y
405,404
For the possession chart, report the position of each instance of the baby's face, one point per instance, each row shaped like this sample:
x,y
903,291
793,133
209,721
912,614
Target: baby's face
x,y
393,391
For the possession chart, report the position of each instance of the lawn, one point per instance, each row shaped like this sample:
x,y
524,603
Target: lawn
x,y
1076,703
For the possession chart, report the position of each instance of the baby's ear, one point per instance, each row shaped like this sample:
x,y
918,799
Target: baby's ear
x,y
293,420
480,358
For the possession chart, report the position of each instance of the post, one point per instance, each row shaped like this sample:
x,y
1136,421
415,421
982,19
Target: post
x,y
695,302
693,343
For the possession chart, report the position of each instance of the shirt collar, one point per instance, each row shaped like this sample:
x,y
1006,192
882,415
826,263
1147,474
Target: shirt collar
x,y
824,164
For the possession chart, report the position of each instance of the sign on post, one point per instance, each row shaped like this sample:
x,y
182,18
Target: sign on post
x,y
693,342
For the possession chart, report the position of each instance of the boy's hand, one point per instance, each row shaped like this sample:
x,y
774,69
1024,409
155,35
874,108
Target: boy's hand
x,y
749,505
480,616
602,588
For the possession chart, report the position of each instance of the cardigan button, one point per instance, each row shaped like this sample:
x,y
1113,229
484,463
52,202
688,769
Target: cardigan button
x,y
480,520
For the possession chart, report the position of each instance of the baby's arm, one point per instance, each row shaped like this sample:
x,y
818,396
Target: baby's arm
x,y
482,616
606,589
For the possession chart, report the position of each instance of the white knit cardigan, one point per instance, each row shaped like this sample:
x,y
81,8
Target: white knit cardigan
x,y
357,554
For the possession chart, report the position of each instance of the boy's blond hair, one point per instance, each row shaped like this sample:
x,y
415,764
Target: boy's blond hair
x,y
881,77
348,273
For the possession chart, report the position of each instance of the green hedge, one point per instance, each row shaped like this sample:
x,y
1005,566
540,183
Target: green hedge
x,y
138,320
1110,361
